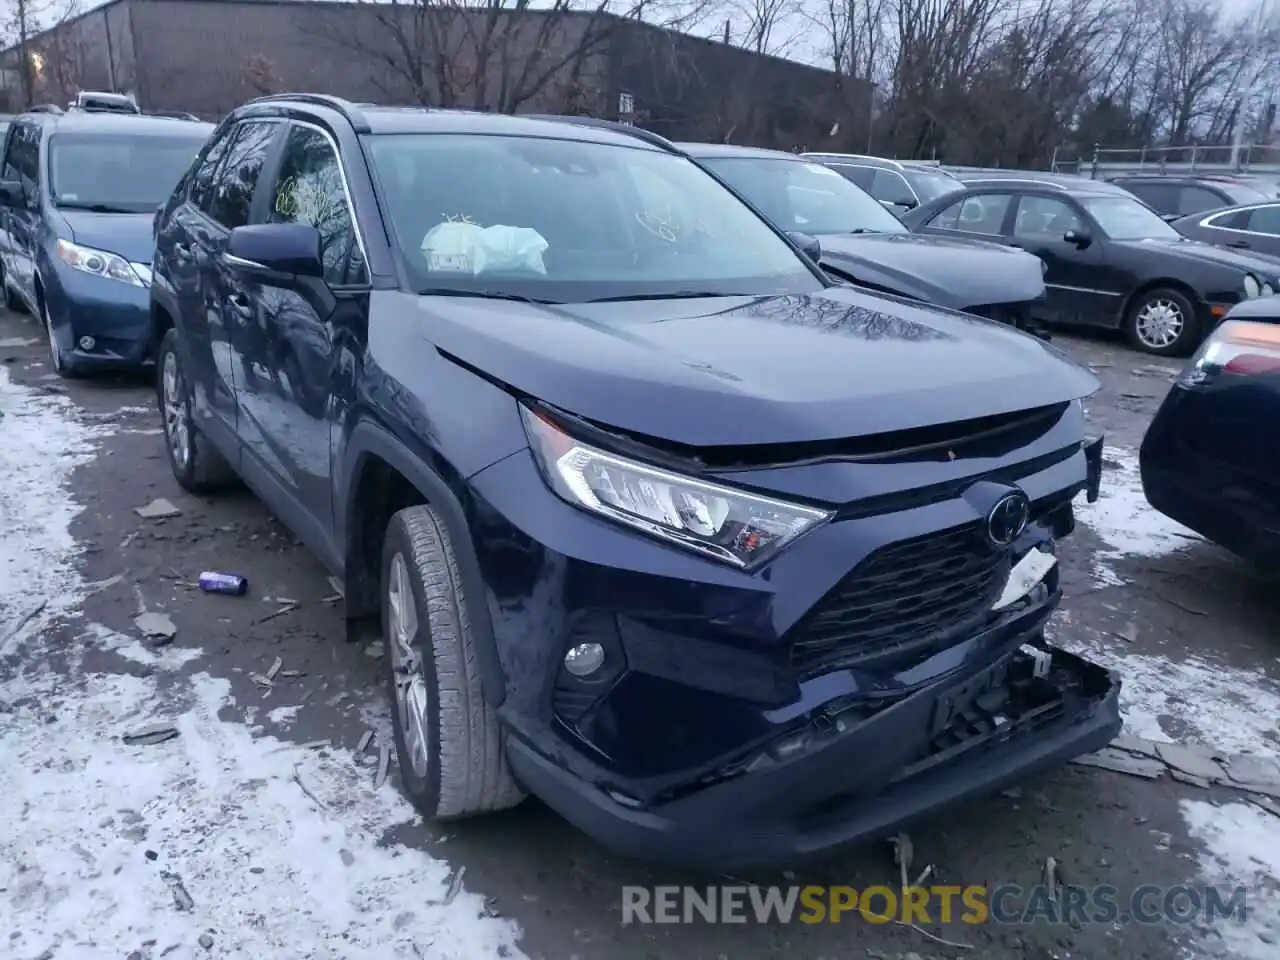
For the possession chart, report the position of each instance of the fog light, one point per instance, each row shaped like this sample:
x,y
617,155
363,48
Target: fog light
x,y
87,343
584,659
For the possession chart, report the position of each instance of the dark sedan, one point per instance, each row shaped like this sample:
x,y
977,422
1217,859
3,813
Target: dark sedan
x,y
1254,227
861,242
1208,457
1110,260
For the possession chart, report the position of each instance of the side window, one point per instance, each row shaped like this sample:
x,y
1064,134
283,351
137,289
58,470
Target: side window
x,y
892,188
11,153
236,180
202,182
859,176
1160,197
310,190
22,160
975,214
1198,199
1265,220
1239,220
1045,218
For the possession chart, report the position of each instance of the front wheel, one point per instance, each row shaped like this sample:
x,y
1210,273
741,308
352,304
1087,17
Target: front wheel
x,y
57,356
450,745
1163,322
197,465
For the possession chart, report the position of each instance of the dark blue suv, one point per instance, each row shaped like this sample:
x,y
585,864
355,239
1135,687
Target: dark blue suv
x,y
79,192
726,563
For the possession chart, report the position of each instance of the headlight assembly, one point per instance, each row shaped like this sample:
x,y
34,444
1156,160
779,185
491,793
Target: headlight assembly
x,y
736,527
1251,286
100,263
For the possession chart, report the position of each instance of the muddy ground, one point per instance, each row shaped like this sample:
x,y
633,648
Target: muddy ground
x,y
1159,607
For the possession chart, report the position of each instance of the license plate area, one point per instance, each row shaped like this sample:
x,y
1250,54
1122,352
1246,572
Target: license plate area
x,y
958,698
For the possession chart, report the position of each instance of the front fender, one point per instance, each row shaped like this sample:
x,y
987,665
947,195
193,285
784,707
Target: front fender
x,y
369,439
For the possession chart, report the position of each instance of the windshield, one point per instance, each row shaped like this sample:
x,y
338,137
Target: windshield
x,y
572,221
125,173
931,185
1123,218
806,197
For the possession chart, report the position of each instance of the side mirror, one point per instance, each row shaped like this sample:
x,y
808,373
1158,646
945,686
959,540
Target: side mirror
x,y
289,249
808,245
12,194
1079,238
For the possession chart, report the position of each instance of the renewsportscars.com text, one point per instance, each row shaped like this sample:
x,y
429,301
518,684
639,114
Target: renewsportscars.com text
x,y
1009,904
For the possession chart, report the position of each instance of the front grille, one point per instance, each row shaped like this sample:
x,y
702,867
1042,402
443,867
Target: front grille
x,y
903,600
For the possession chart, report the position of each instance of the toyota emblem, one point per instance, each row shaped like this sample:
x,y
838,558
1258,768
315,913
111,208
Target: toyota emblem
x,y
1008,518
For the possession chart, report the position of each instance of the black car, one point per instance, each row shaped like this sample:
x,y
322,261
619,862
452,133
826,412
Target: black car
x,y
1180,196
898,186
78,194
726,562
861,242
1110,260
1066,181
1208,458
1254,227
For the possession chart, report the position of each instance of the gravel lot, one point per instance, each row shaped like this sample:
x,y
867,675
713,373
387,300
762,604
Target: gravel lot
x,y
258,832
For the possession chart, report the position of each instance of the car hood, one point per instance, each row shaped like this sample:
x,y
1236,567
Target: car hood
x,y
751,370
128,234
1261,308
1265,267
953,272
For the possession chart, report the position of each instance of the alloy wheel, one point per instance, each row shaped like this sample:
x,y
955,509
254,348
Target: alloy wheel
x,y
412,701
177,414
1159,323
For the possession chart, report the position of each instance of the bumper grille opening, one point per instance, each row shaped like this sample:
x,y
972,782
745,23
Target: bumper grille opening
x,y
903,599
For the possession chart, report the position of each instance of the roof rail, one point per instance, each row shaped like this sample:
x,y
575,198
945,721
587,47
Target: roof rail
x,y
45,108
1039,183
648,136
893,164
345,107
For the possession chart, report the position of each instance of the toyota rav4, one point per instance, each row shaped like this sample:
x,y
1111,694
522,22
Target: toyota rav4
x,y
726,563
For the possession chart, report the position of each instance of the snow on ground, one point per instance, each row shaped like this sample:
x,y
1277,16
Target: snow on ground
x,y
1241,849
1124,520
214,839
1188,699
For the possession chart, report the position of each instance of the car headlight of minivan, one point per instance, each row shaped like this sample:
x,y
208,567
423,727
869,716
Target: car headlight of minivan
x,y
730,525
100,263
1251,286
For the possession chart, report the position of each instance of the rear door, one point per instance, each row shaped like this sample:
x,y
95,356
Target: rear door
x,y
1263,229
221,197
977,216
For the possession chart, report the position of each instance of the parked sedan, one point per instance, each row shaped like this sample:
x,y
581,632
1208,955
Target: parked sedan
x,y
1110,260
1208,457
1254,227
861,242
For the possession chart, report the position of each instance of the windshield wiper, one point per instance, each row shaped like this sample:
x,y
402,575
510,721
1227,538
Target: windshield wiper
x,y
677,295
481,295
94,207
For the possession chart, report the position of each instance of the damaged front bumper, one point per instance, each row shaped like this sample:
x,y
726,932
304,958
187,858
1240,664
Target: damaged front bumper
x,y
860,774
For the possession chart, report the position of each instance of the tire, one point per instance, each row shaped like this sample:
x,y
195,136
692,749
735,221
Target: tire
x,y
61,365
1153,318
433,678
196,464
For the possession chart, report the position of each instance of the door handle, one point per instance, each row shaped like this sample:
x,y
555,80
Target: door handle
x,y
1240,244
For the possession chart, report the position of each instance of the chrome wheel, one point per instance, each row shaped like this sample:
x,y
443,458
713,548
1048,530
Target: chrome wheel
x,y
1159,323
177,418
412,701
55,354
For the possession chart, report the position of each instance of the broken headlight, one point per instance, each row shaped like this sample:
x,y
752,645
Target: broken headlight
x,y
734,526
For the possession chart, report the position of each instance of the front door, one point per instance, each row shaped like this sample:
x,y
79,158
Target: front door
x,y
1074,289
292,407
22,163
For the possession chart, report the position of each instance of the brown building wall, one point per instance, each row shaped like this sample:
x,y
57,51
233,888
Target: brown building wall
x,y
208,56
